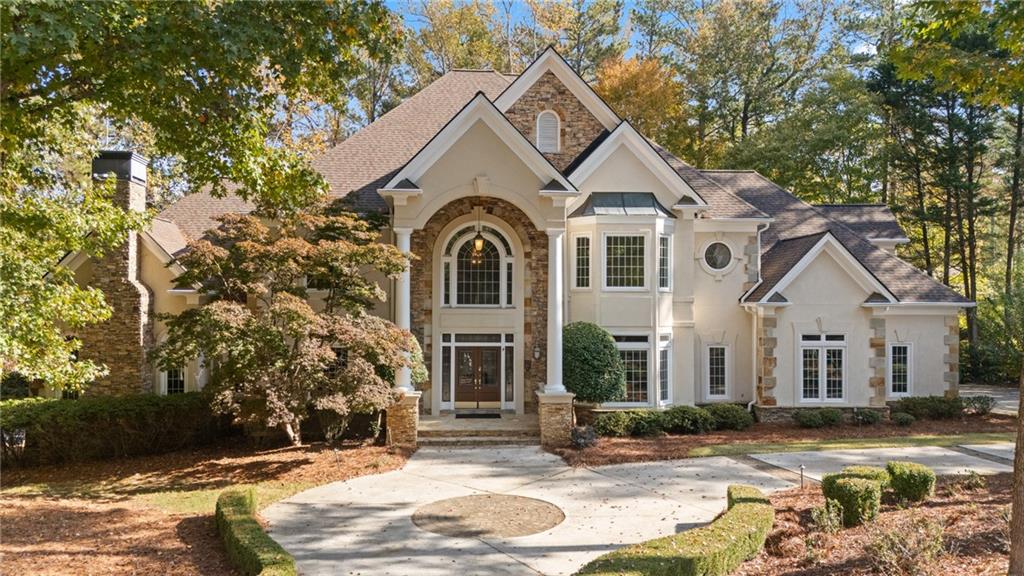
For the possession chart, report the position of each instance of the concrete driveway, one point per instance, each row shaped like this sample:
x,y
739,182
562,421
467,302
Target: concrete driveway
x,y
1007,398
364,525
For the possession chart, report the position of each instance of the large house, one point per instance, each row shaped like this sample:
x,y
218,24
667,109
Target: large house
x,y
529,204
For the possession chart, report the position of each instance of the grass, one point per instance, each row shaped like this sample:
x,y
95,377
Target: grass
x,y
202,501
853,443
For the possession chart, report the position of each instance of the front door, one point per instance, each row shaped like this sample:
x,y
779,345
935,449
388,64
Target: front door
x,y
478,381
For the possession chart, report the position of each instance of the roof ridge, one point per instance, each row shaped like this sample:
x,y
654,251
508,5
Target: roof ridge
x,y
737,170
862,204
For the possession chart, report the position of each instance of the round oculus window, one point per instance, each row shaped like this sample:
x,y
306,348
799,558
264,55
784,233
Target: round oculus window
x,y
717,256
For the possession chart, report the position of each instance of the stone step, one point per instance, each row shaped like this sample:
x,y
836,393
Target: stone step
x,y
479,441
449,433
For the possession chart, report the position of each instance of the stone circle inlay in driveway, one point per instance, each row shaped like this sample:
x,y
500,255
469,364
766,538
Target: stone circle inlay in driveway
x,y
488,516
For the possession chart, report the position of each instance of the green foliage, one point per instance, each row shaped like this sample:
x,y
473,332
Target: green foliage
x,y
687,420
818,417
880,475
930,407
250,549
646,423
902,419
58,431
910,481
744,494
979,404
867,417
616,423
730,416
828,518
713,550
591,364
907,549
859,497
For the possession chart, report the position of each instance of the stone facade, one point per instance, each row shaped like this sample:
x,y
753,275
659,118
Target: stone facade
x,y
877,361
121,343
952,357
535,284
579,128
784,415
556,419
766,343
753,262
403,418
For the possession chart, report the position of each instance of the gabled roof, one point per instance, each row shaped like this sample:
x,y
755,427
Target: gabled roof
x,y
873,221
551,61
479,109
194,213
795,218
625,135
621,204
721,203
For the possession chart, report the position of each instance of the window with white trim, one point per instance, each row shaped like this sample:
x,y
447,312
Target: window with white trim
x,y
582,279
635,353
477,268
173,381
665,368
548,132
716,371
900,377
822,367
624,261
664,263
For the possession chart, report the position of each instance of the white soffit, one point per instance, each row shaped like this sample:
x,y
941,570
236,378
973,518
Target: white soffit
x,y
552,61
478,109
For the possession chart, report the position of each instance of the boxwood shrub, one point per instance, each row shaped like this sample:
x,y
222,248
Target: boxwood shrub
x,y
617,423
687,420
902,419
866,417
930,407
249,548
818,417
647,423
106,426
730,416
591,365
875,473
911,481
713,550
860,498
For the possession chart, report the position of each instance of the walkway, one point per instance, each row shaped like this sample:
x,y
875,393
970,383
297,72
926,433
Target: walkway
x,y
1007,398
365,525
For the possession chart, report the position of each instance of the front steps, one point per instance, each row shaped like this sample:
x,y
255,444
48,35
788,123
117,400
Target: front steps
x,y
510,430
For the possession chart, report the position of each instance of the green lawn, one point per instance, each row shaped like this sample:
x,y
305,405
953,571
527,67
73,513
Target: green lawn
x,y
853,443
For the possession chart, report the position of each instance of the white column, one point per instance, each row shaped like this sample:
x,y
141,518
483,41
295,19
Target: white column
x,y
556,283
402,298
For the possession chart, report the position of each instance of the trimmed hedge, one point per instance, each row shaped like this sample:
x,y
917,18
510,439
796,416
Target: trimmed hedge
x,y
930,407
911,481
687,420
818,417
248,546
591,365
713,550
902,419
93,427
730,416
879,475
867,417
859,497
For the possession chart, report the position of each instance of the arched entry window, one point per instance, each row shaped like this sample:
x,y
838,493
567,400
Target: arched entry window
x,y
477,269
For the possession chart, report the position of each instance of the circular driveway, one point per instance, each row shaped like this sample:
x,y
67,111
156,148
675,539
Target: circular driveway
x,y
365,526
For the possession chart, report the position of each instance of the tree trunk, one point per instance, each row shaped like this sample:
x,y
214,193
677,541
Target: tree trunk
x,y
294,432
922,210
1017,512
1015,194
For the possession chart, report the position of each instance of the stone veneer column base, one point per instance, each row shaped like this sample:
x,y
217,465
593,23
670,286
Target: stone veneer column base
x,y
556,419
404,419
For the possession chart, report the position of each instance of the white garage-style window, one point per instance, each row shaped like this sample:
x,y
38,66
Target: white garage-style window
x,y
822,367
548,132
172,381
477,268
716,372
635,351
625,262
900,373
581,280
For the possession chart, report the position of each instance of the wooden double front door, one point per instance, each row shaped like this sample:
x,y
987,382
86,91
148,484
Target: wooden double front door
x,y
478,378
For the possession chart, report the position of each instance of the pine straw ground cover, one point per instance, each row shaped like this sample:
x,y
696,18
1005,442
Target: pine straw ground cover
x,y
761,438
972,519
154,514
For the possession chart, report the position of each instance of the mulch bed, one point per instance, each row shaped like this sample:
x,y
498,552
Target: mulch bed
x,y
974,541
88,522
622,450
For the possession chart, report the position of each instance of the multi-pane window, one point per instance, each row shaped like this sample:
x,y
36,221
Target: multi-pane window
x,y
624,261
582,262
478,282
477,269
664,371
899,369
664,263
716,366
822,367
174,381
635,354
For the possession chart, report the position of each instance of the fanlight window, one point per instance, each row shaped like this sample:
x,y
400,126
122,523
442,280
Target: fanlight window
x,y
477,269
548,132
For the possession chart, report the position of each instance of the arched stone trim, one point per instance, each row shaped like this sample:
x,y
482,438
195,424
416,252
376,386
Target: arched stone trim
x,y
530,212
534,254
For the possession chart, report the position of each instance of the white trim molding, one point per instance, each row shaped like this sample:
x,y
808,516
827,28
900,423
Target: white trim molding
x,y
888,370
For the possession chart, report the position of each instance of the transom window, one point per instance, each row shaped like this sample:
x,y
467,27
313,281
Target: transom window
x,y
716,376
582,262
174,381
900,372
477,268
548,137
822,367
635,353
625,261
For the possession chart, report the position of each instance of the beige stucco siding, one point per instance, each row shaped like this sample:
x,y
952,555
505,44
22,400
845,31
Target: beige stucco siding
x,y
924,332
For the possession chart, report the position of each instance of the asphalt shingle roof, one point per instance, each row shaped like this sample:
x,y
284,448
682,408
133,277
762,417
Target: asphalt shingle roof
x,y
722,203
796,219
868,220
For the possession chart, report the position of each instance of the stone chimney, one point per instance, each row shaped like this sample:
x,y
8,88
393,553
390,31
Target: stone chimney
x,y
121,343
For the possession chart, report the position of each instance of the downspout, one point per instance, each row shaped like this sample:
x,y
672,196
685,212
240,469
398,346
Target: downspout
x,y
753,320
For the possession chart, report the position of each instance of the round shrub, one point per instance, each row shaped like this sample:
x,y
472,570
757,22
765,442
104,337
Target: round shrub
x,y
687,420
979,405
831,416
808,419
591,365
647,423
910,481
860,499
729,417
867,417
902,419
875,473
618,423
931,407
